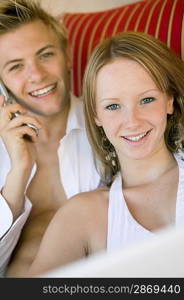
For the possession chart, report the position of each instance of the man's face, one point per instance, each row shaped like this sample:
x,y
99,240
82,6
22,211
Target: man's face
x,y
34,68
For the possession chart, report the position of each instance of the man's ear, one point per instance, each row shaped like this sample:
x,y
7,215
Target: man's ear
x,y
68,58
170,106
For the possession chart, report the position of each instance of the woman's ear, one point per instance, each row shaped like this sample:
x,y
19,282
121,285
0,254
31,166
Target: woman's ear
x,y
170,106
97,121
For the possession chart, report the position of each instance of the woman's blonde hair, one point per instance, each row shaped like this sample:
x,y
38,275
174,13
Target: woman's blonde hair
x,y
165,68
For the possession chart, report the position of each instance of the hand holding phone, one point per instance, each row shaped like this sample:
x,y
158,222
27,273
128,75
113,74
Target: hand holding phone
x,y
9,99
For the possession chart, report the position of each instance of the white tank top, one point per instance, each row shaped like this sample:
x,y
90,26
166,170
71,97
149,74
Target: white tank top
x,y
123,229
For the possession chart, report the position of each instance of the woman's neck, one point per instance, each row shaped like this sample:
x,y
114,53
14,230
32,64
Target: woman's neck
x,y
136,172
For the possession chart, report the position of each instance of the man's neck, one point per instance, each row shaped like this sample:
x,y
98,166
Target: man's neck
x,y
54,127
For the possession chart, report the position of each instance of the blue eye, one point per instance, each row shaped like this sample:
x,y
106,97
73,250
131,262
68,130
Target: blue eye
x,y
147,100
15,67
112,107
47,54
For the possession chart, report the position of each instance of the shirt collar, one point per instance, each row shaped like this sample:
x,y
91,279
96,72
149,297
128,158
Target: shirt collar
x,y
75,115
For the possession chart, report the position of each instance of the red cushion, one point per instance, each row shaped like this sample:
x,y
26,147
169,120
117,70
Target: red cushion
x,y
160,18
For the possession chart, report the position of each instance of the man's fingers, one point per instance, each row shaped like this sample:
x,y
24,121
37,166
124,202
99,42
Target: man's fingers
x,y
1,100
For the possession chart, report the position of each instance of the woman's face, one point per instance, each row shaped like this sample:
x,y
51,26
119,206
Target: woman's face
x,y
131,109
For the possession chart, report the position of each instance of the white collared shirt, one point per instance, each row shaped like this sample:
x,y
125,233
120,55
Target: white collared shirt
x,y
78,174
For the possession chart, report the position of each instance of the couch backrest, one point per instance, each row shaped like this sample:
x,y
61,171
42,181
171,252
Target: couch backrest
x,y
163,19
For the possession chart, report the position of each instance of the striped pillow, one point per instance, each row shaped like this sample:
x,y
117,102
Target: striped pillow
x,y
160,18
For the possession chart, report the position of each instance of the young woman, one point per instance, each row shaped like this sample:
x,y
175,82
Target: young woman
x,y
134,107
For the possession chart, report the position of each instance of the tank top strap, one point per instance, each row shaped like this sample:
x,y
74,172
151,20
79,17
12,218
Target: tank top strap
x,y
115,214
180,193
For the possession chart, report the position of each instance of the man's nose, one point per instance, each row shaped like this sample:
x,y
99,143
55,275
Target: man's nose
x,y
35,72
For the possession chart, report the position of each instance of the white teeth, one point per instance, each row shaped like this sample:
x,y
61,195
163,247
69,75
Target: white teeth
x,y
136,138
43,91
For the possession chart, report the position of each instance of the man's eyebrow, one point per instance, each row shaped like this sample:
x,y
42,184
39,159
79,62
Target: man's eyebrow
x,y
44,48
11,62
20,59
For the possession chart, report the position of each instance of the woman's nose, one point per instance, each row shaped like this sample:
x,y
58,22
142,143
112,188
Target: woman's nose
x,y
131,117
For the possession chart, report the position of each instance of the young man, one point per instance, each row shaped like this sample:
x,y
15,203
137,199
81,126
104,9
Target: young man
x,y
39,169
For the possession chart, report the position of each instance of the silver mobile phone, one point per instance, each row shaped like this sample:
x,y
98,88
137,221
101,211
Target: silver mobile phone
x,y
9,99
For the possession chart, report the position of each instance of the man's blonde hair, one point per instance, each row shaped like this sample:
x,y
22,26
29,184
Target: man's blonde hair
x,y
15,13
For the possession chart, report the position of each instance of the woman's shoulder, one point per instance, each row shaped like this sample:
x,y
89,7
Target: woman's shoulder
x,y
85,202
86,214
94,198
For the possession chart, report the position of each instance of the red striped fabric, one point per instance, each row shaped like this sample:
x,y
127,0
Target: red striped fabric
x,y
160,18
177,30
154,18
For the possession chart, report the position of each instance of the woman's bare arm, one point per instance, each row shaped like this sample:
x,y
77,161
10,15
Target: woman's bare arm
x,y
65,239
